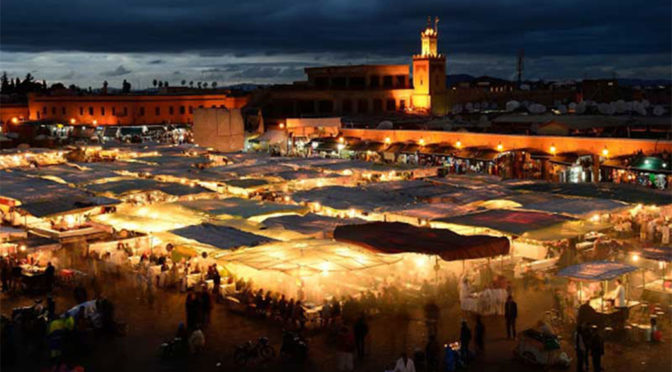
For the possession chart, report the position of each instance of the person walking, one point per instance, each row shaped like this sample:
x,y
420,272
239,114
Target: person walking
x,y
480,334
465,339
510,314
361,330
596,349
580,346
345,352
432,351
192,310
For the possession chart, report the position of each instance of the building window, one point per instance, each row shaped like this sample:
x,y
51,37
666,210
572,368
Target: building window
x,y
362,106
142,111
401,81
114,110
325,106
182,110
200,106
374,81
213,106
102,111
44,110
63,110
170,110
81,110
191,109
38,114
391,105
347,106
125,110
90,110
157,110
53,110
402,105
377,105
357,82
387,81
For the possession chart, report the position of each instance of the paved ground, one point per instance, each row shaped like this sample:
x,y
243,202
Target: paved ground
x,y
150,324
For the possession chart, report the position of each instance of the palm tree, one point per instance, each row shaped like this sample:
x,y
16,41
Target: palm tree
x,y
191,84
184,82
154,82
205,85
160,84
214,84
199,85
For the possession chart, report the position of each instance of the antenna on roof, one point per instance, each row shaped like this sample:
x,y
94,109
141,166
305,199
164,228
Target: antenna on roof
x,y
521,55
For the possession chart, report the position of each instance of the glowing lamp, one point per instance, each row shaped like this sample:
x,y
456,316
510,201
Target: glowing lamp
x,y
500,147
341,139
388,140
635,257
282,125
287,199
553,149
458,144
15,120
72,121
95,122
421,141
22,248
605,152
340,146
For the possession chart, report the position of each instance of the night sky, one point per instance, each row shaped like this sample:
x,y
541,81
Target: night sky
x,y
267,41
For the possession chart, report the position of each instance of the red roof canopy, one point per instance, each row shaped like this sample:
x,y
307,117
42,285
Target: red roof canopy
x,y
397,237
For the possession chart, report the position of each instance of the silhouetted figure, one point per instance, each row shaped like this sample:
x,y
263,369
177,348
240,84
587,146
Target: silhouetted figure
x,y
510,314
361,330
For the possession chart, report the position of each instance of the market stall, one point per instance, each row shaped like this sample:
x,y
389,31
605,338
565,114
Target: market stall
x,y
589,291
654,262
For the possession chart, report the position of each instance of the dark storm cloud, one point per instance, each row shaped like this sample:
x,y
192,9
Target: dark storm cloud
x,y
119,71
387,27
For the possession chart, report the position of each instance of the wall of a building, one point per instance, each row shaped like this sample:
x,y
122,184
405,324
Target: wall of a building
x,y
595,145
219,128
126,109
10,111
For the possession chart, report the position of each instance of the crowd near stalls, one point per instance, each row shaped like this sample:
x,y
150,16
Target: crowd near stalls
x,y
306,239
549,164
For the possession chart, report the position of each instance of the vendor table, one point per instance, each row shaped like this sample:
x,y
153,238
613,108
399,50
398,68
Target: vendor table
x,y
487,302
609,316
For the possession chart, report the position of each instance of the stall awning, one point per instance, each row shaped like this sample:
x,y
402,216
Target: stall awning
x,y
271,137
596,270
478,153
311,223
222,237
65,205
658,253
397,237
238,207
508,221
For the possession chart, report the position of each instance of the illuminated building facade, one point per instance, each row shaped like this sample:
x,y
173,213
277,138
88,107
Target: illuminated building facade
x,y
365,89
126,109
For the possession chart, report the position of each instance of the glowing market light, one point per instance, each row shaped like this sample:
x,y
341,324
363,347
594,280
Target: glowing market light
x,y
95,122
72,121
553,149
388,140
605,152
500,147
314,145
282,125
635,257
340,146
341,139
22,248
421,141
458,144
15,120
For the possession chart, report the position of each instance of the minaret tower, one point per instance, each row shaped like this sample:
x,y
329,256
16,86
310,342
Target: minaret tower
x,y
429,72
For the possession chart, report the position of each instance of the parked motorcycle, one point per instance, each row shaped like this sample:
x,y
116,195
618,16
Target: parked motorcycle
x,y
260,351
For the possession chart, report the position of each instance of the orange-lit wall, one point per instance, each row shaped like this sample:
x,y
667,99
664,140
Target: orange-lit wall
x,y
126,109
615,146
9,111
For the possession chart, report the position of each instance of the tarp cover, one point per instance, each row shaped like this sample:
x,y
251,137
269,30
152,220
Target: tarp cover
x,y
397,237
65,205
658,253
222,237
239,207
310,223
509,221
596,270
